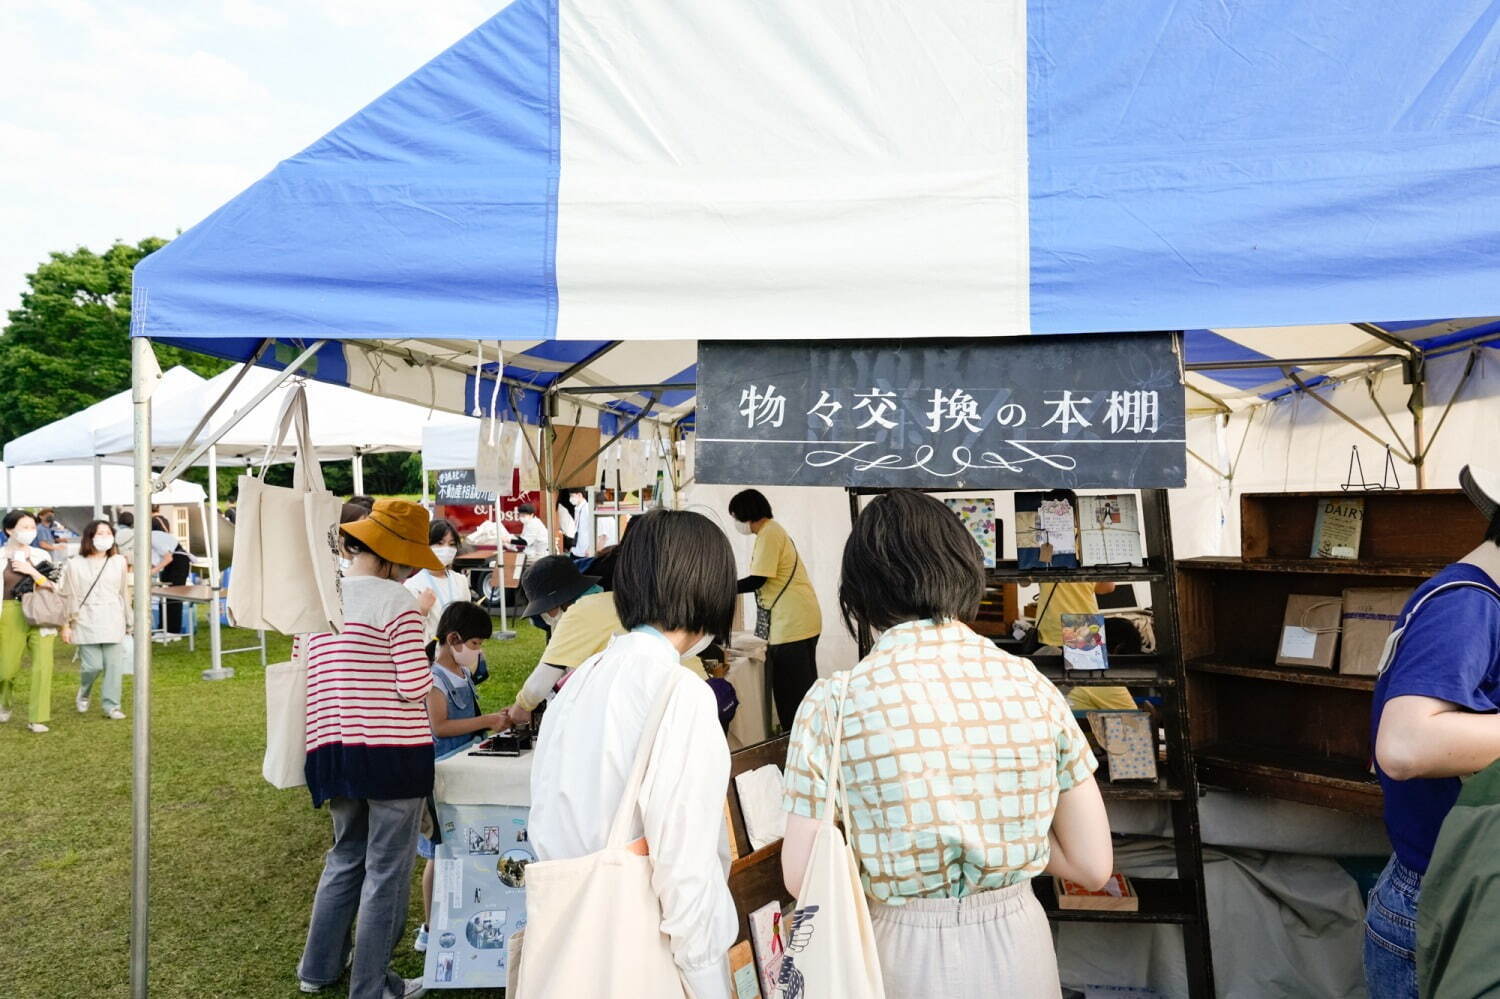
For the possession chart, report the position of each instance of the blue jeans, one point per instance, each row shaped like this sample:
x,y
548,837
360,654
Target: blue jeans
x,y
1391,933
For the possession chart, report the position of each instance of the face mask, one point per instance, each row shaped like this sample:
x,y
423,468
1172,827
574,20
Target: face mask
x,y
466,657
104,542
445,554
25,536
742,527
552,617
703,642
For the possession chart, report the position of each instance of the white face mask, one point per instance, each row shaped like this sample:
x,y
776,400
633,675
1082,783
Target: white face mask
x,y
103,542
552,616
25,535
703,642
466,657
742,527
445,554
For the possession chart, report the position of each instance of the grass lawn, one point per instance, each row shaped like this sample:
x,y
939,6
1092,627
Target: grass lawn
x,y
234,861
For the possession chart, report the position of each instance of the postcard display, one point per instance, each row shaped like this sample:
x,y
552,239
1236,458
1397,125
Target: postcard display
x,y
478,894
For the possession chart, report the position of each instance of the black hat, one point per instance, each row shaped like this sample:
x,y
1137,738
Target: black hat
x,y
552,582
1482,486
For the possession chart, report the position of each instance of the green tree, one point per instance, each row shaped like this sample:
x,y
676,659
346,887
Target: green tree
x,y
68,345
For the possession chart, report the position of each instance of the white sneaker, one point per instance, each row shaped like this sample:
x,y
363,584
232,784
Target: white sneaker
x,y
420,944
115,714
414,989
4,715
37,727
311,989
81,701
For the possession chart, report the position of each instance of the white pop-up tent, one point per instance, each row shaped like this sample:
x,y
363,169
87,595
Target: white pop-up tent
x,y
35,486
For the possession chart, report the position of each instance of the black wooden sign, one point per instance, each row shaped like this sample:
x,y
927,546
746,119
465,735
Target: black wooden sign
x,y
456,487
1087,411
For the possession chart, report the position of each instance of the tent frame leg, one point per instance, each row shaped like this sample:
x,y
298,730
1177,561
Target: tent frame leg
x,y
144,376
218,671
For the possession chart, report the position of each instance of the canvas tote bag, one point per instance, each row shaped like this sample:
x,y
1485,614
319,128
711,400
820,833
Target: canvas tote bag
x,y
593,924
285,764
830,950
286,568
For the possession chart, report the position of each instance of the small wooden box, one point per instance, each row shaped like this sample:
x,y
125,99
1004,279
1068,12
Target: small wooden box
x,y
1116,896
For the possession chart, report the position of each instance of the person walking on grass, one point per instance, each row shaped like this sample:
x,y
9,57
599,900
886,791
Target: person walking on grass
x,y
369,755
97,587
23,563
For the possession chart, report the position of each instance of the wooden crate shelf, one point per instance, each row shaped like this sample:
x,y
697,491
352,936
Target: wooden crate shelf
x,y
1163,900
1299,734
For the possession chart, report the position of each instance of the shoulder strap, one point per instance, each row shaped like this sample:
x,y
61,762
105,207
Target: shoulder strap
x,y
629,801
835,777
104,567
789,579
1389,652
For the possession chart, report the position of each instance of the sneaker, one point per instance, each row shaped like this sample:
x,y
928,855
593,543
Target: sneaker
x,y
311,988
81,701
115,714
420,944
414,989
37,727
4,715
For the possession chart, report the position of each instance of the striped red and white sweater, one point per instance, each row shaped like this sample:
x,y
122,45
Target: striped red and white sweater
x,y
367,730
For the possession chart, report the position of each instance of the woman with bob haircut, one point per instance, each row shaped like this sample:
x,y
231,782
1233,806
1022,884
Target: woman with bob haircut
x,y
674,592
965,772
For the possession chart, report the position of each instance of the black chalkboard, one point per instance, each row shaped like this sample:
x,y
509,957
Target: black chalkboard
x,y
456,487
1086,411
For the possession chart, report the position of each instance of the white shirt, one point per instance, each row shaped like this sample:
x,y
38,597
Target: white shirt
x,y
451,587
578,775
583,523
534,533
565,523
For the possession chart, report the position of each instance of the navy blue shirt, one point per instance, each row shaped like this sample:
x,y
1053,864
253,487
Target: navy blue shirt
x,y
1451,652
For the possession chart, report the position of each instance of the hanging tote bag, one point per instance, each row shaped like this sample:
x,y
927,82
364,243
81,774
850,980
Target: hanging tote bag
x,y
593,924
831,948
763,614
44,608
286,721
286,569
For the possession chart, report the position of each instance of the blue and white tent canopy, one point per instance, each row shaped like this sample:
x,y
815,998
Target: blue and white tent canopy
x,y
611,170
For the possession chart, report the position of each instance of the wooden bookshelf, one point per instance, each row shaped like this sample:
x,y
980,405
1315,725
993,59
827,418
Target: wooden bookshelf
x,y
1287,732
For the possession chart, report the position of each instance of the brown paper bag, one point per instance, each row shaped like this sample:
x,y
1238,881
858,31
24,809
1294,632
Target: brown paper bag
x,y
1368,617
1309,631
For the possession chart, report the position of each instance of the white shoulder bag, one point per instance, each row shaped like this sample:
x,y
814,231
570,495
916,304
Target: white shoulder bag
x,y
286,559
831,948
285,763
593,924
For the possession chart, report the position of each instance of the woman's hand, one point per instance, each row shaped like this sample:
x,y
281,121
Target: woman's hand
x,y
497,722
425,601
517,715
67,634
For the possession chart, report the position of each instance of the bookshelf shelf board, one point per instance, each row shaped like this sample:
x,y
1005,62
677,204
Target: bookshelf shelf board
x,y
1163,900
1330,782
1283,674
1008,572
1414,569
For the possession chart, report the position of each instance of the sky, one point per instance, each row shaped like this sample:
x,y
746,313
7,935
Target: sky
x,y
121,120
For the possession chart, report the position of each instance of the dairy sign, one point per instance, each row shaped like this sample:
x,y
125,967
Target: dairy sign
x,y
1084,411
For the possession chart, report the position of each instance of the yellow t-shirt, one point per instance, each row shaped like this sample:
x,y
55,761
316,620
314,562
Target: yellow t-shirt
x,y
586,628
1066,598
1101,699
583,631
795,616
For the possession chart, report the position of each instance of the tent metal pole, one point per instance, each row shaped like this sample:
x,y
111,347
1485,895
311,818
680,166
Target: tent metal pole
x,y
359,473
1308,391
650,404
144,374
98,487
217,671
630,389
209,413
183,461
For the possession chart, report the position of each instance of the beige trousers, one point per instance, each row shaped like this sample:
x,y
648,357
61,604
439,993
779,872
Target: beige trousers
x,y
996,943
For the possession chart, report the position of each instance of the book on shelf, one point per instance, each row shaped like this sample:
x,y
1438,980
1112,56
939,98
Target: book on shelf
x,y
767,941
1336,533
1309,631
1046,532
1083,641
1117,895
977,514
744,981
1109,530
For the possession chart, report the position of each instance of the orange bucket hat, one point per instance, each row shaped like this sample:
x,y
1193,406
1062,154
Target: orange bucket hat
x,y
396,531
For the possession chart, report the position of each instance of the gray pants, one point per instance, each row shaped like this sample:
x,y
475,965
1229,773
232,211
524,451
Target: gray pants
x,y
107,659
368,871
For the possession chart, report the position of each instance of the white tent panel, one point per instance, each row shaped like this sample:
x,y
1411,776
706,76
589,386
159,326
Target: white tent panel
x,y
34,486
97,430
